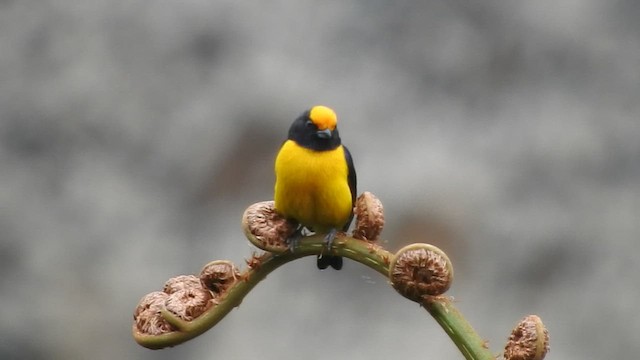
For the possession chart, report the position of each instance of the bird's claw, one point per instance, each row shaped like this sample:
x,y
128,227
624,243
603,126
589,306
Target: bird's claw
x,y
328,239
294,240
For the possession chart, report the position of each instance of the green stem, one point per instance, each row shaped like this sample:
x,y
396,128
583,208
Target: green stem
x,y
472,346
373,256
187,330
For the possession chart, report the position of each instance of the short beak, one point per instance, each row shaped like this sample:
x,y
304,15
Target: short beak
x,y
324,134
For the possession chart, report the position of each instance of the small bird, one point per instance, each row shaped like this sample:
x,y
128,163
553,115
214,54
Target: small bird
x,y
315,179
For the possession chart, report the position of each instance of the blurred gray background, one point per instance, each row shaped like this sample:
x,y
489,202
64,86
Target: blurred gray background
x,y
133,134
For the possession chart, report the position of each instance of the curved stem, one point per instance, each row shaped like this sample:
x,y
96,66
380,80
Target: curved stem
x,y
189,329
373,256
470,344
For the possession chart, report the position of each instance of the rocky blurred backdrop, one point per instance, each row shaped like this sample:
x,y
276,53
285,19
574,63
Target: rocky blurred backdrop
x,y
133,134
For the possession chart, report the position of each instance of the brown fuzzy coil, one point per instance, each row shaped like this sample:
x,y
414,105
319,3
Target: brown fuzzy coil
x,y
529,340
190,303
181,282
369,217
219,275
265,228
420,270
147,318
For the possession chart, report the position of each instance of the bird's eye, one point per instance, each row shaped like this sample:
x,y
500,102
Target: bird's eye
x,y
309,124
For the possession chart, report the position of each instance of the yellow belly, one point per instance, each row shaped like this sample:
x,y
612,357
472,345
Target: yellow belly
x,y
312,187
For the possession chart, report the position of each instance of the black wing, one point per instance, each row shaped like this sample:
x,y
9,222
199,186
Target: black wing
x,y
351,178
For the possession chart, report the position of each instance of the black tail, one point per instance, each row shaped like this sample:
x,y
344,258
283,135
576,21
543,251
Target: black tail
x,y
324,261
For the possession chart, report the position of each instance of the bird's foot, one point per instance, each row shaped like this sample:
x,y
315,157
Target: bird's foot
x,y
328,239
294,239
325,261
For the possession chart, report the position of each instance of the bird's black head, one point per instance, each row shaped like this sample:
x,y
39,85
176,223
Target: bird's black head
x,y
316,129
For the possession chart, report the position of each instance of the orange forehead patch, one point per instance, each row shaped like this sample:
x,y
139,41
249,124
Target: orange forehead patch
x,y
323,117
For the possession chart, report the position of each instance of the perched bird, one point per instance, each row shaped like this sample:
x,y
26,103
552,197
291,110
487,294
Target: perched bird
x,y
315,179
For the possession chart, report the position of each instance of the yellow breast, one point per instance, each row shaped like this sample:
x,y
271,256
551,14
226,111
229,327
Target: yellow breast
x,y
312,187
